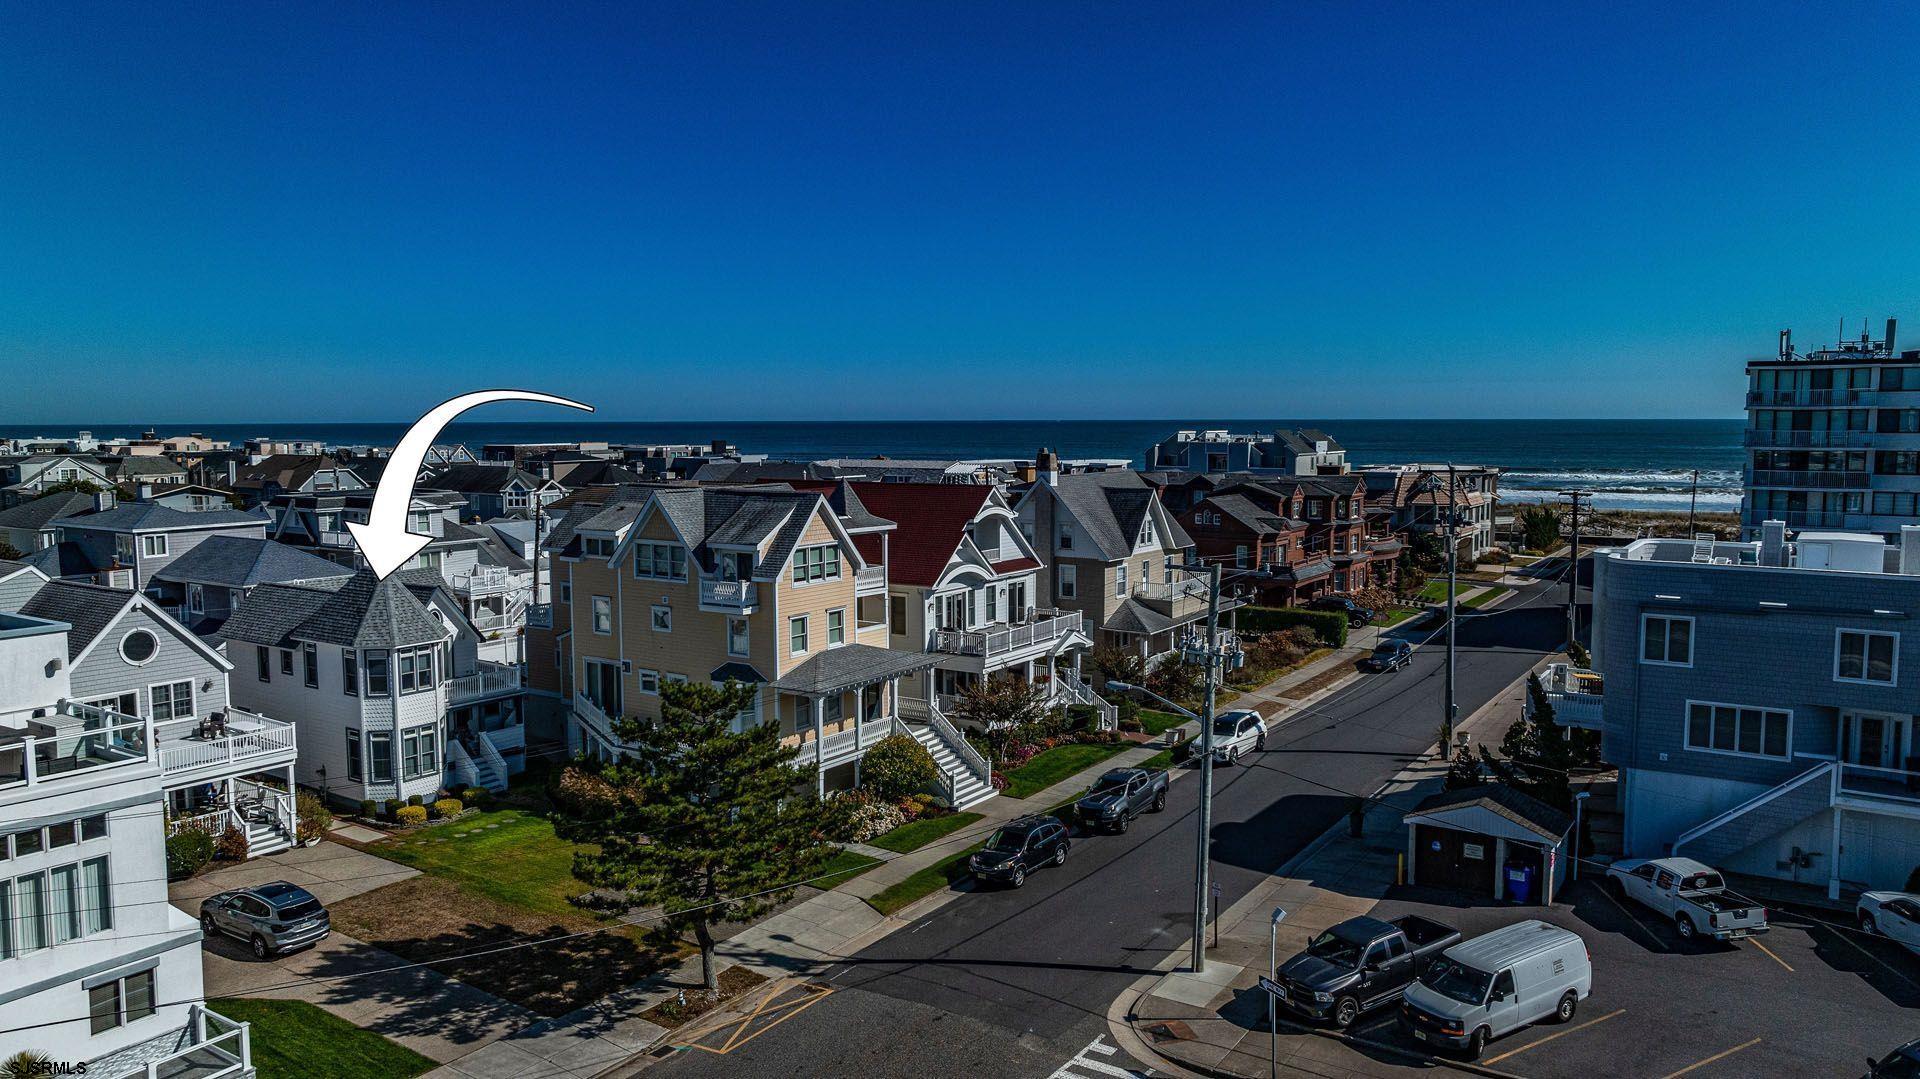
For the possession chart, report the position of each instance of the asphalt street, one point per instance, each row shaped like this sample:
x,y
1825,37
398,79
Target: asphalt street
x,y
1004,982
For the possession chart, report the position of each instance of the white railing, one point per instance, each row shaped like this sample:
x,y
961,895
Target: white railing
x,y
212,823
1577,695
727,593
957,742
215,1047
103,739
248,738
1002,637
834,748
1080,693
870,578
1169,591
490,753
489,680
461,764
1868,781
1823,771
483,579
584,707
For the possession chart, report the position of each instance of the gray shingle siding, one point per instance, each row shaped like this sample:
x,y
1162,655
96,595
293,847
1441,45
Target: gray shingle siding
x,y
105,673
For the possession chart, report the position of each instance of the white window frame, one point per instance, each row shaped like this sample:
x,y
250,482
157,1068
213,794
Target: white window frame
x,y
1692,639
1686,731
841,629
597,611
1839,636
806,635
661,620
746,636
153,545
1069,578
648,681
1120,581
658,561
173,710
820,562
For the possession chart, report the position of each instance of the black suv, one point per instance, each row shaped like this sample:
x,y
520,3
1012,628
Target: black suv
x,y
1020,847
1356,614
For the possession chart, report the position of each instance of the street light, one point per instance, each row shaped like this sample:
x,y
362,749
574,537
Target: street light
x,y
1453,586
1273,965
1573,871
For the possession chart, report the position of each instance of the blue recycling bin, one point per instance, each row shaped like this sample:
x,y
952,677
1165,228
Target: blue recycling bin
x,y
1520,883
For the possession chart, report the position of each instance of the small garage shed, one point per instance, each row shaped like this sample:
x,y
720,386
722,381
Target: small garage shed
x,y
1488,840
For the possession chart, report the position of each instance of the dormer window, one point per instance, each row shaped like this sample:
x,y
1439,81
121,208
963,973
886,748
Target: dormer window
x,y
816,564
597,546
659,561
422,524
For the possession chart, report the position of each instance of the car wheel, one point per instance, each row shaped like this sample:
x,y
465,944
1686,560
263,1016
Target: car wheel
x,y
1345,1011
1867,925
1233,755
1260,744
1568,1005
1019,876
1476,1044
1160,801
1683,925
1617,887
1121,824
207,926
1060,854
259,946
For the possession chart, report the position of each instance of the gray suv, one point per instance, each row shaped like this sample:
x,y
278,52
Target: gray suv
x,y
271,918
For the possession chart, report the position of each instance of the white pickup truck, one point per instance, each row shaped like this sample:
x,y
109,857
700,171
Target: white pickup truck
x,y
1693,895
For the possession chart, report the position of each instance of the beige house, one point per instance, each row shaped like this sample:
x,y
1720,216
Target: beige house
x,y
761,585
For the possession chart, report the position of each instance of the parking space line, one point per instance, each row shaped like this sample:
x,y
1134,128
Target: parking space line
x,y
1550,1037
1755,941
1629,916
1841,935
1722,1055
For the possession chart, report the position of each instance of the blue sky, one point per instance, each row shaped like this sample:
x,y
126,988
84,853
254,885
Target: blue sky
x,y
348,212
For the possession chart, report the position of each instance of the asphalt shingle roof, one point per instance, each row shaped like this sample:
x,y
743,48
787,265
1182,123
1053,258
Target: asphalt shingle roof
x,y
151,516
931,520
63,559
851,666
88,608
1110,506
481,478
361,611
1133,616
1517,806
46,508
243,562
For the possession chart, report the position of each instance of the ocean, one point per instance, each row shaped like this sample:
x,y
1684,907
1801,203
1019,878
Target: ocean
x,y
1628,464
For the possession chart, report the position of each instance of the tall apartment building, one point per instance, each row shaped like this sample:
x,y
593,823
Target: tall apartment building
x,y
1300,452
1833,437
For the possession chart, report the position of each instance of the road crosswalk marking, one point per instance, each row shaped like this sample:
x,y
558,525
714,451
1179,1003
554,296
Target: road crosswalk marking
x,y
1090,1067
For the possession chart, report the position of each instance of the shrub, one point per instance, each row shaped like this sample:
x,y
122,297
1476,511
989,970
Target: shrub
x,y
1329,626
909,809
925,801
1176,681
871,818
1496,555
477,796
313,816
1132,723
447,808
393,808
1374,599
411,816
415,800
188,852
896,767
369,808
584,793
232,846
998,781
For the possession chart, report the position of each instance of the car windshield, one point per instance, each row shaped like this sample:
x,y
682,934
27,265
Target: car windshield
x,y
1386,648
295,909
1008,840
1457,982
1112,781
1335,949
1226,724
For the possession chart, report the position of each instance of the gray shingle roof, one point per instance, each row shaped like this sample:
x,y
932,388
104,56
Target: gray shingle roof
x,y
481,478
1247,512
243,562
1133,616
357,612
851,666
776,516
46,508
143,466
151,516
63,559
1110,506
88,608
1517,806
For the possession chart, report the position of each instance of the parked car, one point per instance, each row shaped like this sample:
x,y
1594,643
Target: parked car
x,y
271,918
1694,896
1498,983
1902,1063
1121,795
1019,847
1389,655
1360,964
1894,915
1238,733
1356,614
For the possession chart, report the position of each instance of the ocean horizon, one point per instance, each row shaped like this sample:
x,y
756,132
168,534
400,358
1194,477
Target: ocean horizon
x,y
1628,464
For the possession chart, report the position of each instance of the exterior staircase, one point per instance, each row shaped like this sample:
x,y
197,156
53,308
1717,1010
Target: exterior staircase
x,y
473,762
1769,813
266,838
967,774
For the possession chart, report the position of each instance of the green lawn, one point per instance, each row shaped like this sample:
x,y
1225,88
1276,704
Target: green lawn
x,y
1054,765
292,1039
508,855
924,883
1157,723
1393,616
843,867
1492,593
915,834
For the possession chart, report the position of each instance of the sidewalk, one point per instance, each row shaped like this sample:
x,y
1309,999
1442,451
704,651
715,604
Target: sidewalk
x,y
1214,1024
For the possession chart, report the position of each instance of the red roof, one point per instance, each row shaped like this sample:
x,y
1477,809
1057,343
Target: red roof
x,y
1014,565
932,520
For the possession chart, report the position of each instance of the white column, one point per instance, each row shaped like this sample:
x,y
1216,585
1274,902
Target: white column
x,y
1833,858
819,748
859,721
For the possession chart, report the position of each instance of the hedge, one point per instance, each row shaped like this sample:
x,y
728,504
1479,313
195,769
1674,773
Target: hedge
x,y
1329,626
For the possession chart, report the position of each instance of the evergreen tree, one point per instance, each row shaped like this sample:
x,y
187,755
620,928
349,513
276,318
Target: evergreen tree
x,y
1536,753
1464,772
707,824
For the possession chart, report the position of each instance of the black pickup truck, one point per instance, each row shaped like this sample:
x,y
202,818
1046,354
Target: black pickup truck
x,y
1119,796
1360,964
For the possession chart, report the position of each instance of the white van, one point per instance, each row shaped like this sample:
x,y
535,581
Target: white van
x,y
1497,983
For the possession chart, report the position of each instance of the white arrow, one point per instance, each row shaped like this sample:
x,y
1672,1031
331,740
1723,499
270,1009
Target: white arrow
x,y
384,539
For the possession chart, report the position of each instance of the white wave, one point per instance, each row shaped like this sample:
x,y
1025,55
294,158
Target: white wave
x,y
1710,501
1603,477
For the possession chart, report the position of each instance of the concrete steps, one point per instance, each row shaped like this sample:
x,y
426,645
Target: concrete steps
x,y
263,839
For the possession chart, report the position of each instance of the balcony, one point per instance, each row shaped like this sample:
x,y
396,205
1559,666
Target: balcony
x,y
1169,593
83,738
490,680
1576,694
1797,519
1810,439
728,595
869,580
1878,787
1002,639
229,742
839,746
210,1046
1808,480
1809,398
484,580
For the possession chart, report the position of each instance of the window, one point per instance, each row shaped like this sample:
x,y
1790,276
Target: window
x,y
1666,640
265,665
172,700
660,561
649,681
1120,579
836,627
1069,585
602,615
674,679
737,639
597,546
566,591
662,618
418,757
153,546
897,614
123,548
196,599
353,755
993,605
377,674
380,755
350,672
416,670
120,1001
138,647
1864,655
286,661
816,564
310,663
1240,556
1729,728
432,560
797,635
1066,536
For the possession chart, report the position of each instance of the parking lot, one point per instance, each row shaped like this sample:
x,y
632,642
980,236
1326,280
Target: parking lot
x,y
1805,999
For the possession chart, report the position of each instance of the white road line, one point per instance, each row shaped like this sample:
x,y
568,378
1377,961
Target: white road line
x,y
1096,1067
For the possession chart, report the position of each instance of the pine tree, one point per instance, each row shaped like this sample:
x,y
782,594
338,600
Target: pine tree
x,y
706,823
1536,753
1464,772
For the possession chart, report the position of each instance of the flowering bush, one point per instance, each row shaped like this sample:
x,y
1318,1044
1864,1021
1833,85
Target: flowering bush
x,y
871,818
909,809
999,781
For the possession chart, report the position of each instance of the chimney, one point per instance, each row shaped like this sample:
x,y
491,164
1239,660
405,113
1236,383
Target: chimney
x,y
144,492
233,472
1773,543
1046,465
1892,325
1910,550
104,500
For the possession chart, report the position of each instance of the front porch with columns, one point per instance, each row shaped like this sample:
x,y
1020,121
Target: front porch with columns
x,y
839,703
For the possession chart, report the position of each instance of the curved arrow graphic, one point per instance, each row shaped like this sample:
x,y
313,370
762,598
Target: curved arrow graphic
x,y
384,540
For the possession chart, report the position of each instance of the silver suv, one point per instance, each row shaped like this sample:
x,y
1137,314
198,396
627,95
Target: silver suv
x,y
271,918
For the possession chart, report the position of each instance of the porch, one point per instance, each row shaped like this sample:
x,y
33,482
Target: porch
x,y
209,1046
489,681
227,742
1576,694
839,702
261,808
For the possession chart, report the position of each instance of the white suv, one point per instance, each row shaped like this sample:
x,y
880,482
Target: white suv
x,y
1238,733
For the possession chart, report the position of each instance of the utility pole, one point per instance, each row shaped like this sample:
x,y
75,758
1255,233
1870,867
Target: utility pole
x,y
1573,567
1693,502
1453,589
1202,848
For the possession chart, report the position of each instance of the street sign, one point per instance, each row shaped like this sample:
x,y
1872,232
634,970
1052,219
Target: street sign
x,y
1271,987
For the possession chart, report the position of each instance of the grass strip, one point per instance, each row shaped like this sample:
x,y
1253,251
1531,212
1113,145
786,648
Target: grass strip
x,y
915,834
940,874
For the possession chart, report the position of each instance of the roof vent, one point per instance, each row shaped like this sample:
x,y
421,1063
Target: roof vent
x,y
1773,543
1910,550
